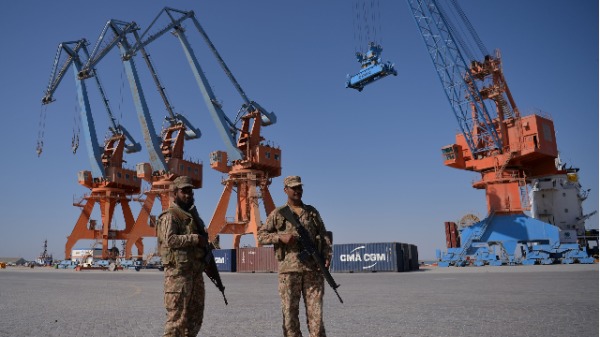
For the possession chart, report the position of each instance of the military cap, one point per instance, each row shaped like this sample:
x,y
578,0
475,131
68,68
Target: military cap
x,y
182,182
292,181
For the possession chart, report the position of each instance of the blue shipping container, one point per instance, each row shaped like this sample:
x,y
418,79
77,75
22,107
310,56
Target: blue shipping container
x,y
225,259
414,258
367,257
406,250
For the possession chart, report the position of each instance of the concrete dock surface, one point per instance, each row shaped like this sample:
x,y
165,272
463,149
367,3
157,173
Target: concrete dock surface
x,y
555,300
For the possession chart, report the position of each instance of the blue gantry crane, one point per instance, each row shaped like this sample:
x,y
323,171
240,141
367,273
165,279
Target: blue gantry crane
x,y
109,182
166,157
225,126
166,150
249,162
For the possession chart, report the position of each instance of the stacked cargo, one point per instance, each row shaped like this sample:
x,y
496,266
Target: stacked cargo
x,y
347,258
374,257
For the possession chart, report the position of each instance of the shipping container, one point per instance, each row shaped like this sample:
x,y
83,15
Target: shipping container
x,y
225,259
257,260
414,257
79,254
452,235
367,257
406,256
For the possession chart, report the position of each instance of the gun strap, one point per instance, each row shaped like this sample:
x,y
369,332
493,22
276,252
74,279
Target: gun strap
x,y
288,214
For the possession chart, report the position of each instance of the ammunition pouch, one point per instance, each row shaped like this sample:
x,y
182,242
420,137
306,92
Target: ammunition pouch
x,y
186,258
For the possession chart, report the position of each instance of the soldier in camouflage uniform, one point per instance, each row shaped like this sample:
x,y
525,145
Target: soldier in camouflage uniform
x,y
183,249
298,278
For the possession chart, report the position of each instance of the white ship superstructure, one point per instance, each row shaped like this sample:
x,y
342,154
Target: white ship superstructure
x,y
557,200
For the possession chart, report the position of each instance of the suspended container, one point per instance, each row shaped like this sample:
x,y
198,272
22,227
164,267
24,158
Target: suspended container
x,y
257,260
372,68
368,257
225,259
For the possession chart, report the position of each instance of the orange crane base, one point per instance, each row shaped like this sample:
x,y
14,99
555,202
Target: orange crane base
x,y
251,186
107,198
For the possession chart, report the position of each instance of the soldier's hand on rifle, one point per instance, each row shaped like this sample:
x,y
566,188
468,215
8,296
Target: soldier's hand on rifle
x,y
287,238
327,264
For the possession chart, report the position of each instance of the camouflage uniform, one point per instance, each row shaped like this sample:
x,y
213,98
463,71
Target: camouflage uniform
x,y
297,277
183,258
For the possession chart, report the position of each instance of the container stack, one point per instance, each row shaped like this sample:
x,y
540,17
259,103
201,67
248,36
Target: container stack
x,y
347,258
374,257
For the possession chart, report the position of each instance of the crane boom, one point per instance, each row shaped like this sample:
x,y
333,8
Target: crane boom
x,y
477,128
119,30
93,147
190,131
165,151
72,49
225,126
249,162
131,146
267,118
150,135
109,182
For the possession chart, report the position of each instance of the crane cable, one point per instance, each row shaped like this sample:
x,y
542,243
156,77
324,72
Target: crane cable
x,y
122,98
448,16
41,129
367,24
457,21
470,28
76,130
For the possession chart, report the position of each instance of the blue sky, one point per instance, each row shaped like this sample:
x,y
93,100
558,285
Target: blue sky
x,y
371,161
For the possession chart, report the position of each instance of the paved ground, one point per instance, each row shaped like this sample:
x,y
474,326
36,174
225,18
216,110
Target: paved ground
x,y
558,300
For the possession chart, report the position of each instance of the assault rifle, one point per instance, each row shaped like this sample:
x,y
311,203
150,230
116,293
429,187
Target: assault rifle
x,y
308,249
211,269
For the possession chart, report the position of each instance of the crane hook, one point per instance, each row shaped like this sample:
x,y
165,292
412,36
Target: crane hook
x,y
40,147
75,143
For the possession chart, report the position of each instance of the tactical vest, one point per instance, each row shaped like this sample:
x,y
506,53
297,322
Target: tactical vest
x,y
185,257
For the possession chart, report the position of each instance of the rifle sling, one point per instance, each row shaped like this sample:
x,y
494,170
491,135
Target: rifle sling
x,y
288,214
